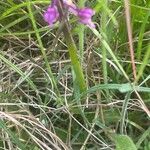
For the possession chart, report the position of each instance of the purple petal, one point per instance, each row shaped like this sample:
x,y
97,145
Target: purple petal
x,y
54,2
51,15
86,13
85,16
71,7
87,22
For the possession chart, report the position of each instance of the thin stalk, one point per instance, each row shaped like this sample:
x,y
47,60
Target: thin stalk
x,y
81,34
141,35
72,50
143,65
104,51
124,112
103,41
42,47
129,30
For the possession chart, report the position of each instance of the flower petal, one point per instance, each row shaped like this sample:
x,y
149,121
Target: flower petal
x,y
71,7
85,16
87,22
51,15
86,13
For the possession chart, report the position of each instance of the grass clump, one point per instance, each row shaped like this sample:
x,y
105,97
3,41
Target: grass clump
x,y
92,94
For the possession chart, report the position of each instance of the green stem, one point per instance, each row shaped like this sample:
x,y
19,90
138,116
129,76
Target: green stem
x,y
72,51
141,35
42,47
81,34
104,51
143,65
124,112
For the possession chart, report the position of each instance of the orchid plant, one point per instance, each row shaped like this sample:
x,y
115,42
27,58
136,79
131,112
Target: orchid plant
x,y
56,11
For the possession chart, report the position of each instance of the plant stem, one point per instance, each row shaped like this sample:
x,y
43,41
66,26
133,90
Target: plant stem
x,y
72,51
129,30
104,52
124,112
81,34
42,47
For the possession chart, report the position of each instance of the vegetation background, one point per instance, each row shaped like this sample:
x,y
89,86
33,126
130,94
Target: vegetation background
x,y
41,106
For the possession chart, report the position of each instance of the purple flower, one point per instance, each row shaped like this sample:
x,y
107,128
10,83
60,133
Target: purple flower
x,y
71,7
84,14
51,15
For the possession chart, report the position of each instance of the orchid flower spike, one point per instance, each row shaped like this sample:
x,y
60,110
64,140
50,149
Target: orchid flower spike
x,y
84,15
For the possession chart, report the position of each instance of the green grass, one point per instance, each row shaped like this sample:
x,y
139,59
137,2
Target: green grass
x,y
76,89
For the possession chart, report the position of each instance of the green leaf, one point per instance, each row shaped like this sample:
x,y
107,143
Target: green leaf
x,y
124,142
